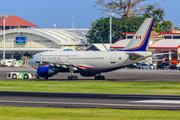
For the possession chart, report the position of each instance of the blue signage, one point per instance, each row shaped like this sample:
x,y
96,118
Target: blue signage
x,y
21,40
67,49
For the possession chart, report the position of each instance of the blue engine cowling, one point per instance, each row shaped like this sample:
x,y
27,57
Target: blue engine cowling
x,y
46,71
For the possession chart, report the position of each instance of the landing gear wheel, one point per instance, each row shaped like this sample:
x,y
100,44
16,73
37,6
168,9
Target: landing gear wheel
x,y
42,78
26,76
72,78
102,77
14,76
99,77
76,78
69,77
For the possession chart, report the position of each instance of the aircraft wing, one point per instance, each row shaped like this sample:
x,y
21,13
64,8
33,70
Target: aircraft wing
x,y
163,53
64,64
154,60
50,62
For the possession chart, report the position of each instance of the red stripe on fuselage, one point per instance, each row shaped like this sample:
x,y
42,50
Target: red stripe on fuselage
x,y
94,68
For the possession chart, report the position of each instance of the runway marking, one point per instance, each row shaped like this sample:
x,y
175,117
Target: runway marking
x,y
67,103
159,101
71,103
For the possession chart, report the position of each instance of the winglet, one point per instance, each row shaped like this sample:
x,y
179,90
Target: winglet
x,y
140,40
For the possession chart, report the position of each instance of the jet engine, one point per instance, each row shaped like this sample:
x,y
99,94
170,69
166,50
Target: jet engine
x,y
46,71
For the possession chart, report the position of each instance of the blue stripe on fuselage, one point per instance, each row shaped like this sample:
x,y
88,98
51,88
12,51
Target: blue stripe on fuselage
x,y
102,70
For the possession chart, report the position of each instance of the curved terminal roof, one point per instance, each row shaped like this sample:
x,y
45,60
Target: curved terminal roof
x,y
59,36
166,43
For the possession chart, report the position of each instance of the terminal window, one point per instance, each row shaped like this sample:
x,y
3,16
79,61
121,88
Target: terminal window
x,y
167,37
176,37
129,37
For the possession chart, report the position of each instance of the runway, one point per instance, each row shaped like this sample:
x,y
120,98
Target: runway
x,y
121,75
82,100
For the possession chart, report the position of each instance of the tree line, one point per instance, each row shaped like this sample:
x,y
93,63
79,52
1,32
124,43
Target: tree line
x,y
131,17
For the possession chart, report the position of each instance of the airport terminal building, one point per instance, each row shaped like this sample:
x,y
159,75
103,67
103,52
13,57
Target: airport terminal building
x,y
21,40
158,43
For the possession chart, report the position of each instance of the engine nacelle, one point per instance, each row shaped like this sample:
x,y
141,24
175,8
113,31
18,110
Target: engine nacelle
x,y
88,74
46,71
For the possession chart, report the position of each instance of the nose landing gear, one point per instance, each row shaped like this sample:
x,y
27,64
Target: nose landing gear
x,y
72,77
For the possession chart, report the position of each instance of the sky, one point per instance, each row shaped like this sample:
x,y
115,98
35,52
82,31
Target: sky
x,y
46,13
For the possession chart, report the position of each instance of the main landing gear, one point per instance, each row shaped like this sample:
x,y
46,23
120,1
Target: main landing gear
x,y
42,78
99,77
72,77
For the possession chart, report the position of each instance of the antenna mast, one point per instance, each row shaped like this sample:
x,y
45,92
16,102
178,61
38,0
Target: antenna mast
x,y
72,22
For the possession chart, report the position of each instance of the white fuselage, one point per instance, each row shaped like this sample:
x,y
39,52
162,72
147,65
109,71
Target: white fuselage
x,y
88,59
91,63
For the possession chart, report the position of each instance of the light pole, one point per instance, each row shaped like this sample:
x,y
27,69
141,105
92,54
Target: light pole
x,y
110,36
4,17
59,25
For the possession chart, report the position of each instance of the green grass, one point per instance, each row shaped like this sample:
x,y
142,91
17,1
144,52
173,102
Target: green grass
x,y
171,88
27,113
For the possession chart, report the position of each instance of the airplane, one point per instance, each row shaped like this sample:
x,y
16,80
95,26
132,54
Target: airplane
x,y
93,63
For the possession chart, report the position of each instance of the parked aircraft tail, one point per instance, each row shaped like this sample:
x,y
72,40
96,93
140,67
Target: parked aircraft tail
x,y
140,40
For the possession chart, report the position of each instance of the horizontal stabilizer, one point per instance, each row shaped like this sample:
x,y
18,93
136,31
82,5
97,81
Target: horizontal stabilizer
x,y
163,53
134,56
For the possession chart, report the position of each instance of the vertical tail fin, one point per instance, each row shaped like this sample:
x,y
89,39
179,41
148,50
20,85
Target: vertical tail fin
x,y
140,40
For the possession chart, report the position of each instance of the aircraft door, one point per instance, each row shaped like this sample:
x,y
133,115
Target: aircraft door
x,y
113,58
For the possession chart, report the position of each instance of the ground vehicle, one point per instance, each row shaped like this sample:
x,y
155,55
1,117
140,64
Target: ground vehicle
x,y
152,66
173,67
145,66
21,75
166,61
132,66
8,62
11,63
174,61
18,63
161,67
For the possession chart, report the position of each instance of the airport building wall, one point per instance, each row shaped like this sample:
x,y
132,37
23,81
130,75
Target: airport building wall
x,y
41,40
